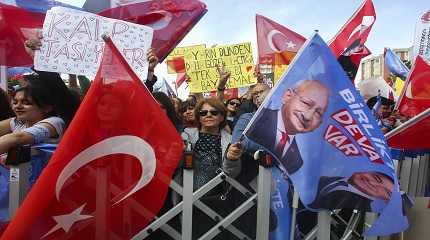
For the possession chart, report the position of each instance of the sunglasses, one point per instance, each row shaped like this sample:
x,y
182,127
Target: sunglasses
x,y
237,104
203,113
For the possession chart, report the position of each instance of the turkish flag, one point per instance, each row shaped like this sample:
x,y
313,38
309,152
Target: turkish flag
x,y
276,43
170,19
111,171
16,25
413,134
353,34
415,96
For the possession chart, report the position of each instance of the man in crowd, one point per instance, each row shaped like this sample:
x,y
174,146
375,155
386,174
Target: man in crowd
x,y
302,110
357,191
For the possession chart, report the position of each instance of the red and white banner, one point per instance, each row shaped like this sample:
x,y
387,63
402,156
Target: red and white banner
x,y
422,36
110,174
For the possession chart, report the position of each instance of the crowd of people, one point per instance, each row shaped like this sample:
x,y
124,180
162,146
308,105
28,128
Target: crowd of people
x,y
41,107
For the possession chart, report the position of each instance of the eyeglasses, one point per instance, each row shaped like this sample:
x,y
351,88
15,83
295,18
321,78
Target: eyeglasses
x,y
203,113
310,104
237,104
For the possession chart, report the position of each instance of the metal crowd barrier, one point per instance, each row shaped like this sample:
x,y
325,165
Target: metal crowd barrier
x,y
19,185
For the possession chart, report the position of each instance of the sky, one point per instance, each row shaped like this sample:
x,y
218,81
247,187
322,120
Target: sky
x,y
233,21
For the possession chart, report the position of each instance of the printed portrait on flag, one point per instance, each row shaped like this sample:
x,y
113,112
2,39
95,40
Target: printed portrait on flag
x,y
323,136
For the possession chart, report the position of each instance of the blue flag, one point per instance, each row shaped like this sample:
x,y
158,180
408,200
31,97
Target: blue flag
x,y
395,65
323,136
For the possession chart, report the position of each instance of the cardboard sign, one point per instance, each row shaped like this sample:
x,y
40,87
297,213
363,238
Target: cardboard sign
x,y
72,42
179,52
237,58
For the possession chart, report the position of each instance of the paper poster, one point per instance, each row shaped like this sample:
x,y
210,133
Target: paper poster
x,y
237,58
72,42
422,36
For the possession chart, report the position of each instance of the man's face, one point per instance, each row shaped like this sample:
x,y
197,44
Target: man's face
x,y
304,107
384,111
257,91
373,184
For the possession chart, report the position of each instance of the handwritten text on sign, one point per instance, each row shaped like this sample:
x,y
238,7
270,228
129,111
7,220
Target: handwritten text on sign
x,y
72,42
237,58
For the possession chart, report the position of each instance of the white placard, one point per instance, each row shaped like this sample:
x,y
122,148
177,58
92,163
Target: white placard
x,y
422,36
72,42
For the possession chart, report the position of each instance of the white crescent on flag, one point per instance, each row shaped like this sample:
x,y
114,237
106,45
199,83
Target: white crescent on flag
x,y
126,144
270,39
366,22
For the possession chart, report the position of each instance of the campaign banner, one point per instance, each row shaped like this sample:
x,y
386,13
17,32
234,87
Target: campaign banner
x,y
322,135
236,58
72,42
175,60
422,36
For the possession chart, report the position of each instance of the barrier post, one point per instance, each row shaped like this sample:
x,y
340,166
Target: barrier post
x,y
18,186
264,187
324,220
187,195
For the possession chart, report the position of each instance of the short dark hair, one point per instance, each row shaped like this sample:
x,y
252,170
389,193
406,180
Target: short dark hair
x,y
214,102
5,109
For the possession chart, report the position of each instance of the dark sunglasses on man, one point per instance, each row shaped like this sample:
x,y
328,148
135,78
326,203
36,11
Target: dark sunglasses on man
x,y
203,113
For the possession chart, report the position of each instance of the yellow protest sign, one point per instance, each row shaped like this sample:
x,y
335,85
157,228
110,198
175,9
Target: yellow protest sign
x,y
175,61
237,58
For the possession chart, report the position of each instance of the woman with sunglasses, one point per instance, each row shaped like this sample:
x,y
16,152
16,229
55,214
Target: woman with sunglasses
x,y
43,107
209,142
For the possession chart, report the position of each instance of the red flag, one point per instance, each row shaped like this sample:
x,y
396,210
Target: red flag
x,y
353,34
109,175
170,19
415,96
276,42
412,135
17,24
180,78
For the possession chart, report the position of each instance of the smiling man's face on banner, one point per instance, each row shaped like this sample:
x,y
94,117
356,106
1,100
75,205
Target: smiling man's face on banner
x,y
304,106
374,184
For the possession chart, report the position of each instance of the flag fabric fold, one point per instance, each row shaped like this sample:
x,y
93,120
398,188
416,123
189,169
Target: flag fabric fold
x,y
20,21
334,147
171,20
415,96
413,134
110,174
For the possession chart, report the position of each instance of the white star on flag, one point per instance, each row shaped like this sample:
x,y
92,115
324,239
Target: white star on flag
x,y
291,44
66,221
